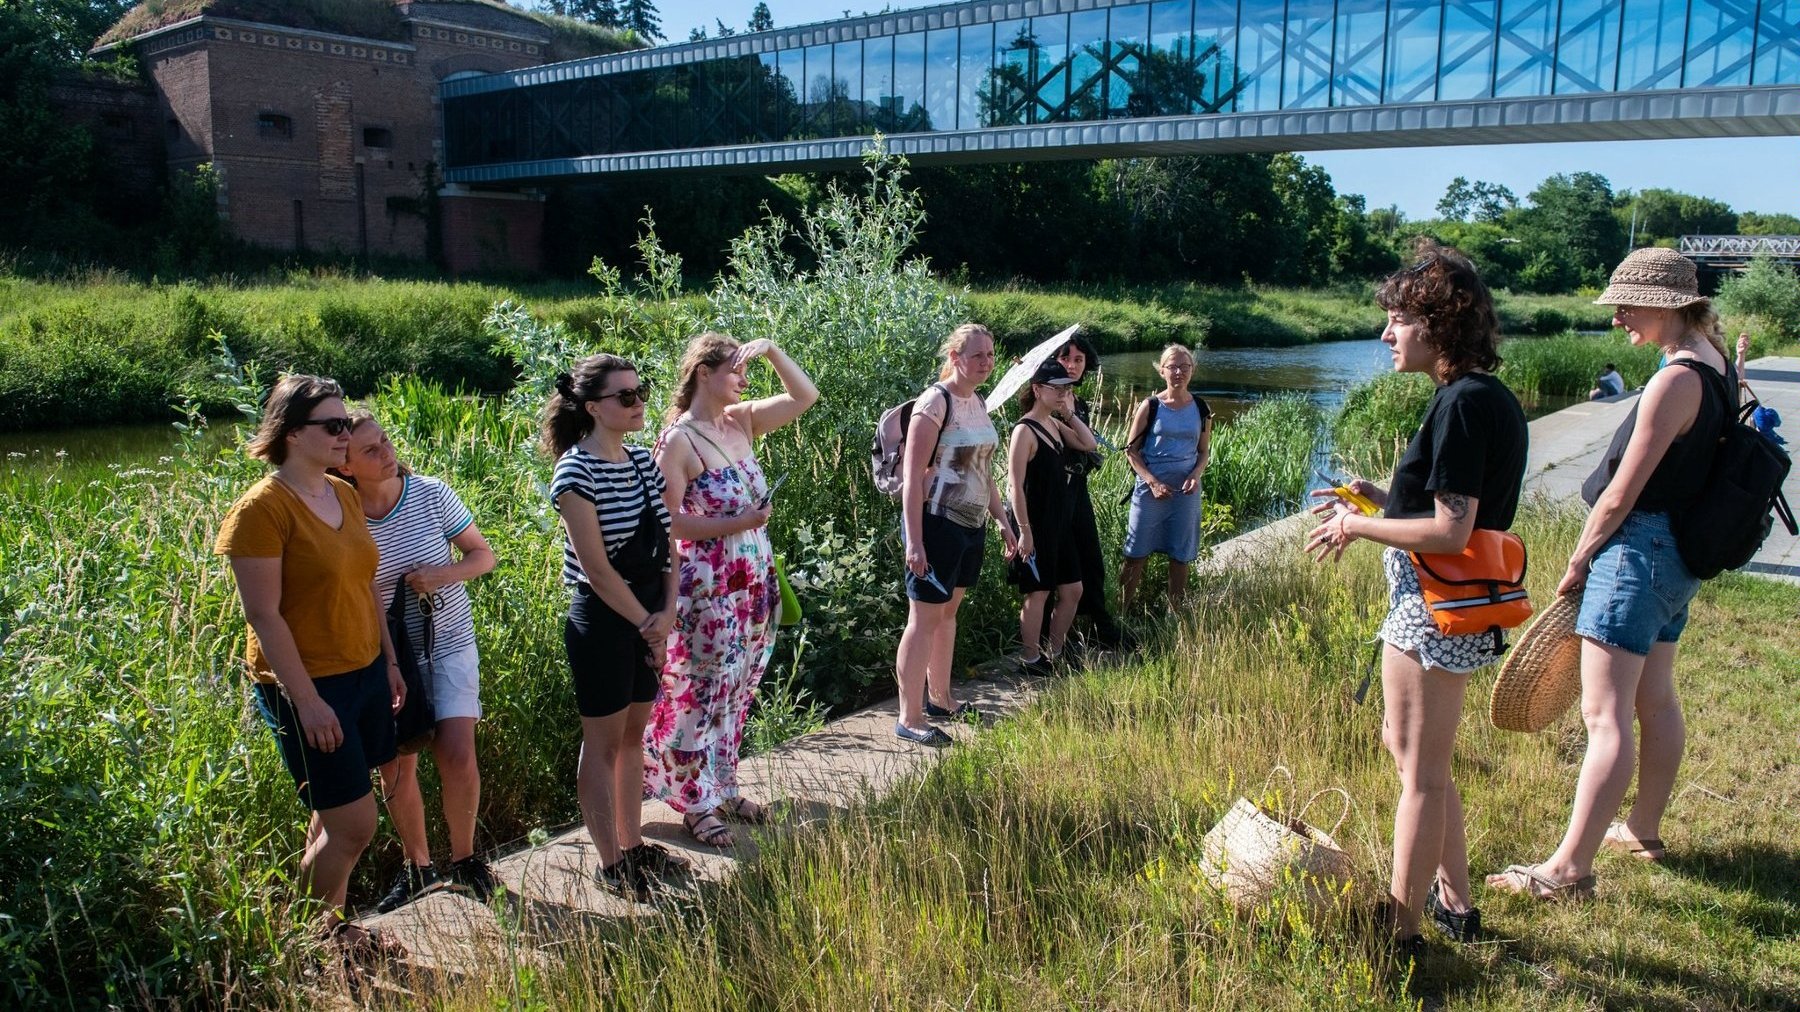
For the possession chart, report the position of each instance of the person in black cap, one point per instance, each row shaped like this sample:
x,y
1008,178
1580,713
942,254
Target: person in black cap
x,y
1080,359
1043,444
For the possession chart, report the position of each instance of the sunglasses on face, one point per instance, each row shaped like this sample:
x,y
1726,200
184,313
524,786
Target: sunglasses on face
x,y
629,398
332,426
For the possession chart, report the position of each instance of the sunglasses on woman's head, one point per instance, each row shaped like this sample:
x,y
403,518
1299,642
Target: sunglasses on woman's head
x,y
332,426
629,398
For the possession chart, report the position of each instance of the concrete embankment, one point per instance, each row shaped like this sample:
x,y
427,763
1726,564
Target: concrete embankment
x,y
857,757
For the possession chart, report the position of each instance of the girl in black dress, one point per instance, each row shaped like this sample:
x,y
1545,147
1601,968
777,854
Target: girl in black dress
x,y
1047,436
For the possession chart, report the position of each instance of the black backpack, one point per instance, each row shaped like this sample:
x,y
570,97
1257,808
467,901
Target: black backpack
x,y
1728,524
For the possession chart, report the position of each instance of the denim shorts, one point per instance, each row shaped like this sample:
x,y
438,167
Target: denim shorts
x,y
1638,588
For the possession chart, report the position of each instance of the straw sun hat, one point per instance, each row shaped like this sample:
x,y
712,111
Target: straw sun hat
x,y
1542,673
1653,276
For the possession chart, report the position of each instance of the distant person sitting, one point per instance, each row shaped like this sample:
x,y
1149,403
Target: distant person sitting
x,y
1608,384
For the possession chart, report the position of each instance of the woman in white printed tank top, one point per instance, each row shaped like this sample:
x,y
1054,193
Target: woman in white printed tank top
x,y
947,497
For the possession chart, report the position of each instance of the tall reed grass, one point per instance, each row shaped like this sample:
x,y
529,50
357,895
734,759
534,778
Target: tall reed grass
x,y
1566,365
1379,416
158,825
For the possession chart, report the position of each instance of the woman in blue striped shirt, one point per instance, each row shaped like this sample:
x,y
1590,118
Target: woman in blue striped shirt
x,y
416,521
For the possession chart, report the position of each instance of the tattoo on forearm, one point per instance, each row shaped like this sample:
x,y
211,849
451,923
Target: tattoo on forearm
x,y
1455,505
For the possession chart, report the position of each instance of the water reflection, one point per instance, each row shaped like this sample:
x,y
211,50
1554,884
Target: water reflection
x,y
1233,379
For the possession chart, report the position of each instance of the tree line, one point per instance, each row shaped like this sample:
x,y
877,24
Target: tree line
x,y
1217,219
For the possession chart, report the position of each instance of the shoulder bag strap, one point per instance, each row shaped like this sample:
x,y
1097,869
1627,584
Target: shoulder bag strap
x,y
949,406
1138,441
1043,436
690,432
643,482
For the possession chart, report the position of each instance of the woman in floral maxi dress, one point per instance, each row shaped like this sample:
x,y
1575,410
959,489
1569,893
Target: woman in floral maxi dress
x,y
728,599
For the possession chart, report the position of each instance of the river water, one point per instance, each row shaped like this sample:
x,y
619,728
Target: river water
x,y
1232,380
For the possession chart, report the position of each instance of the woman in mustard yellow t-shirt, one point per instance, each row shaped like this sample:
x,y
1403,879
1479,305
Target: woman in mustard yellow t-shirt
x,y
326,680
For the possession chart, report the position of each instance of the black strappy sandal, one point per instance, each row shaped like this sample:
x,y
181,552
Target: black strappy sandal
x,y
1463,927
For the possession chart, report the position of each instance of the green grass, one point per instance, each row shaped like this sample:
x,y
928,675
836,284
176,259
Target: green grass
x,y
1565,365
1054,862
99,348
159,822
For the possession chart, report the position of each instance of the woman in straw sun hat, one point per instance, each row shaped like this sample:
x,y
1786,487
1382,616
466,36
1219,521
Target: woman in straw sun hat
x,y
1635,588
1461,472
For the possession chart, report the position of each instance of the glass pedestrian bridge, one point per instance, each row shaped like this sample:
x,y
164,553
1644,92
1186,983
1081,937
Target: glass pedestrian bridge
x,y
988,81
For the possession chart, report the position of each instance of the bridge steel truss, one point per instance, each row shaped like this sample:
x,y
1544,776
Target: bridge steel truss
x,y
988,79
1734,252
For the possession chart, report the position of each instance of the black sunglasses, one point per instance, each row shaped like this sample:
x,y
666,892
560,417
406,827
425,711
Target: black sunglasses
x,y
629,398
332,426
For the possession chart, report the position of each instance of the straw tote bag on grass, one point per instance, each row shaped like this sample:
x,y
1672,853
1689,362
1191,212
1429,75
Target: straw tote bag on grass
x,y
1253,850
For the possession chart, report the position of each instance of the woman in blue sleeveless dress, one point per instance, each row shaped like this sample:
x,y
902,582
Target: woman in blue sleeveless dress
x,y
1171,435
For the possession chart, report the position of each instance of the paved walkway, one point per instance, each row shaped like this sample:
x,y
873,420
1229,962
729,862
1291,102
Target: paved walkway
x,y
854,759
857,757
1566,446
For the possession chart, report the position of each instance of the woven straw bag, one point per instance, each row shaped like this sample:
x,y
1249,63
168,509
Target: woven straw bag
x,y
1541,677
1252,850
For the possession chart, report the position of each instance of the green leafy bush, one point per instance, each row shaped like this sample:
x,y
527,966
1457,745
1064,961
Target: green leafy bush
x,y
1766,295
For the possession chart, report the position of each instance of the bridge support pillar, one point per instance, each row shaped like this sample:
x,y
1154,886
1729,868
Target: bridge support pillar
x,y
488,231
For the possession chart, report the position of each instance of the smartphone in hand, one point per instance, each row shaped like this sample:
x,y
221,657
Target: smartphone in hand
x,y
769,496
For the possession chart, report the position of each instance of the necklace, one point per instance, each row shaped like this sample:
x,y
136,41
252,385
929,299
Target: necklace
x,y
319,496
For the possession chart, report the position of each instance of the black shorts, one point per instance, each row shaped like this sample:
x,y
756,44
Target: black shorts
x,y
608,658
954,554
366,715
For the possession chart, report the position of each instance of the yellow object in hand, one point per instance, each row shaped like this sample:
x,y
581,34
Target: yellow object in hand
x,y
1363,503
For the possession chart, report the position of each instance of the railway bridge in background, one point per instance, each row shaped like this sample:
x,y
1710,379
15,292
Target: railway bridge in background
x,y
1735,252
992,80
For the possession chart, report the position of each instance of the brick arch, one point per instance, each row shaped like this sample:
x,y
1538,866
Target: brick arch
x,y
441,69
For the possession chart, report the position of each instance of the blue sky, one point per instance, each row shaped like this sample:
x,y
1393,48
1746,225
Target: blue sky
x,y
1754,174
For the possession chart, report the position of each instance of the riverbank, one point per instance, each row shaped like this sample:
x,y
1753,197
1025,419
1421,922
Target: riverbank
x,y
1055,859
1258,673
1119,317
106,350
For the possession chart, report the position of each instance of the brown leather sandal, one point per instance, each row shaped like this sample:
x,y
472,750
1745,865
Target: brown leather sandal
x,y
741,809
1620,839
709,829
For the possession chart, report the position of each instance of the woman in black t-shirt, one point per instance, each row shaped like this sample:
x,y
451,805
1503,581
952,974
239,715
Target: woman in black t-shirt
x,y
1462,471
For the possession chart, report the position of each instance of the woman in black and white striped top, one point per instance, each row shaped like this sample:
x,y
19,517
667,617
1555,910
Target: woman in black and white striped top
x,y
622,564
615,488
